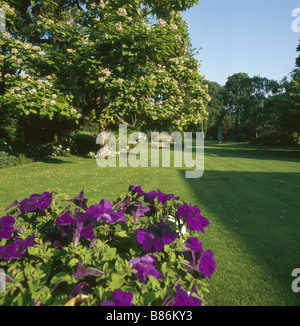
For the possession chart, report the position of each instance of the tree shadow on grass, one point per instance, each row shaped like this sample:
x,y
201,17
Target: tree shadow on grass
x,y
235,150
55,160
260,211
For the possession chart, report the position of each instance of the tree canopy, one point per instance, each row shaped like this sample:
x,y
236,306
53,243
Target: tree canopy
x,y
108,61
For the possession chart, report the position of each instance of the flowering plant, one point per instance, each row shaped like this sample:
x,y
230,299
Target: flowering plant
x,y
137,69
132,251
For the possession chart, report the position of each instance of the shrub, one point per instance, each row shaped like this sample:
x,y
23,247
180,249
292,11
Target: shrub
x,y
90,127
8,128
44,151
7,160
274,139
83,144
134,251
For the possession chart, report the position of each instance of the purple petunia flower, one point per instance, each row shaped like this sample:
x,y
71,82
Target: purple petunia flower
x,y
201,262
156,236
161,197
145,266
151,195
136,190
183,299
138,211
6,227
79,200
13,204
78,226
124,203
81,288
104,211
16,249
36,202
119,298
195,221
85,271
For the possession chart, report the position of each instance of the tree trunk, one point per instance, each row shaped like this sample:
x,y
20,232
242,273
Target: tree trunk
x,y
219,133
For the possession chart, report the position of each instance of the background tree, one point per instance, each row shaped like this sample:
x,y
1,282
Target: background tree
x,y
216,108
238,90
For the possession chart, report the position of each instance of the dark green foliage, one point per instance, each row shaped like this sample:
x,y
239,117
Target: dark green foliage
x,y
8,128
82,144
39,130
241,137
274,139
7,160
90,127
44,151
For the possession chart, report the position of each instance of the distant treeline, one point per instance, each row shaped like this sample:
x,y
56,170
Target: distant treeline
x,y
255,109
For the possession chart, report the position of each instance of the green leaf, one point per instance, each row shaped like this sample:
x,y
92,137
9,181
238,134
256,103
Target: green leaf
x,y
164,268
33,251
20,106
154,282
172,257
122,234
61,277
116,284
127,288
73,262
150,297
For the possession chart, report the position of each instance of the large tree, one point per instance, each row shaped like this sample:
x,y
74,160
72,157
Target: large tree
x,y
113,62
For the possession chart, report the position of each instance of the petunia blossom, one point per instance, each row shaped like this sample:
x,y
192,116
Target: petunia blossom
x,y
81,288
16,249
119,298
13,204
124,203
36,202
150,196
156,236
104,211
161,197
145,266
78,226
192,214
136,190
201,262
79,200
184,299
83,271
138,210
6,227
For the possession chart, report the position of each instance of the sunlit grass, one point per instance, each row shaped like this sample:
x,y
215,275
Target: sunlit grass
x,y
249,194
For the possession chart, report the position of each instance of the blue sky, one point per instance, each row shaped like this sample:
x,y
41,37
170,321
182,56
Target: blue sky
x,y
251,36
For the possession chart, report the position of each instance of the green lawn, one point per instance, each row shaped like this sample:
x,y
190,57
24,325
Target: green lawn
x,y
249,194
